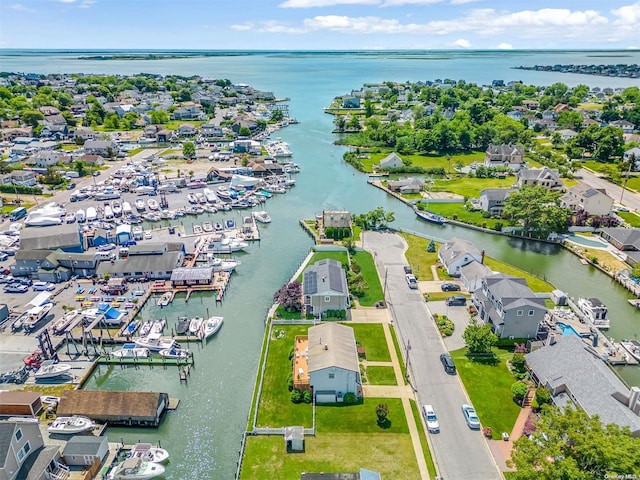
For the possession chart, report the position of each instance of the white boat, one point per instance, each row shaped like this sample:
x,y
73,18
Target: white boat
x,y
200,198
155,342
195,325
175,353
274,189
136,468
221,264
220,244
61,325
130,350
212,325
145,329
244,181
35,315
49,214
633,347
197,229
108,212
50,369
148,452
80,216
92,214
158,326
42,221
50,399
207,227
262,217
165,299
152,204
595,312
117,208
70,217
210,195
192,198
126,208
140,206
71,425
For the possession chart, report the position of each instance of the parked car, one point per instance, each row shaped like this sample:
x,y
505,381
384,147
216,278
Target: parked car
x,y
412,281
470,416
456,301
6,278
3,256
407,269
147,235
106,247
450,287
24,281
43,287
433,426
15,288
447,363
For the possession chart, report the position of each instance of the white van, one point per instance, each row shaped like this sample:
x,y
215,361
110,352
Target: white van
x,y
105,255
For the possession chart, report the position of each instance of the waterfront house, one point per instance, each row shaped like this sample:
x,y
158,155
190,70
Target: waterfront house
x,y
45,158
164,136
324,287
23,454
406,185
85,450
546,177
84,133
333,362
456,253
575,375
594,201
144,409
472,275
93,160
26,178
336,219
509,306
492,200
106,148
186,130
350,102
392,160
505,155
625,239
192,276
211,131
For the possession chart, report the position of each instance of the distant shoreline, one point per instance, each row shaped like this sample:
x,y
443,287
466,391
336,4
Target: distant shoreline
x,y
620,70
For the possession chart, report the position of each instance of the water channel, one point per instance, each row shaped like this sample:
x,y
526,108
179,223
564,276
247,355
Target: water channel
x,y
204,434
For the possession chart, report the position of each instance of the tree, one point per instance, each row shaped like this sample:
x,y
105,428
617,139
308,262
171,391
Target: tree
x,y
519,390
158,116
374,220
431,247
568,444
244,132
479,338
382,412
290,296
31,117
189,150
340,123
369,108
277,116
537,210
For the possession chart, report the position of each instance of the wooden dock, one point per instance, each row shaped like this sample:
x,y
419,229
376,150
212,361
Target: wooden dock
x,y
111,360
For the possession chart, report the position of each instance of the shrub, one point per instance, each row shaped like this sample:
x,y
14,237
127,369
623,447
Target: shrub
x,y
296,396
382,411
292,352
542,396
518,363
290,382
519,390
306,396
349,398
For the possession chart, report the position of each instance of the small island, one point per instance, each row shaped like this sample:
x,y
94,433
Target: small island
x,y
619,70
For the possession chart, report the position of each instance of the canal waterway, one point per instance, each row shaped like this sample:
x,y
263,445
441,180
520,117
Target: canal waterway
x,y
203,435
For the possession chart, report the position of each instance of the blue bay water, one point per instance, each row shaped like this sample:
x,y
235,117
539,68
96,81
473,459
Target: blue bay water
x,y
203,435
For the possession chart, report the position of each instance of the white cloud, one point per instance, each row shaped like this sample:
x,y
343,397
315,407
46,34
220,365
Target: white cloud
x,y
18,7
461,2
627,15
504,46
462,43
67,1
397,3
324,3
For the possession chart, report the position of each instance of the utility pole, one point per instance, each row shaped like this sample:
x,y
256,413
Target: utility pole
x,y
406,354
632,160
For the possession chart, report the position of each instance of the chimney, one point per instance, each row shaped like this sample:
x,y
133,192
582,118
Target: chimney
x,y
326,346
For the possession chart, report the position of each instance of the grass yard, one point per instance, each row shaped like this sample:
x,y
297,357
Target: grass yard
x,y
390,454
369,273
457,211
535,283
381,375
396,345
282,313
135,151
340,256
360,418
430,160
418,257
371,337
470,187
489,387
276,408
438,296
631,218
431,468
603,258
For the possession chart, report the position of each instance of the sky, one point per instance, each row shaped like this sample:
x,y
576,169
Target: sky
x,y
320,24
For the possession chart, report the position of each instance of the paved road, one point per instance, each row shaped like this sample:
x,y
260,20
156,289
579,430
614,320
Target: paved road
x,y
630,199
460,453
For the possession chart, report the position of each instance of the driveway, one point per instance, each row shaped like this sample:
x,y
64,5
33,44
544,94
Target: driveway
x,y
459,453
460,318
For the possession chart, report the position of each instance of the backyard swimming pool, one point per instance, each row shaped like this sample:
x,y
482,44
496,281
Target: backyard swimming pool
x,y
586,242
567,330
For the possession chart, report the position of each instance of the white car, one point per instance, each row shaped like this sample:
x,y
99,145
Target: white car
x,y
412,281
433,426
147,235
43,287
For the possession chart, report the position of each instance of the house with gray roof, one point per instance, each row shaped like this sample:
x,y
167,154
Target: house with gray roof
x,y
472,275
392,160
626,239
594,201
192,276
546,177
575,375
505,155
456,253
511,308
66,237
324,287
154,267
492,200
333,362
406,185
106,148
84,450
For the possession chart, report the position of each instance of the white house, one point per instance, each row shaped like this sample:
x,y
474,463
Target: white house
x,y
567,134
333,362
627,127
595,201
456,253
391,161
633,154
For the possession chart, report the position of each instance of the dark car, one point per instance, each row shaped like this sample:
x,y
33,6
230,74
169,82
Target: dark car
x,y
447,363
450,287
456,301
407,269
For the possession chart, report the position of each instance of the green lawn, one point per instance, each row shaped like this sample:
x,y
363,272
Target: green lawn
x,y
470,187
276,408
371,337
535,283
339,255
418,257
135,151
369,273
631,218
381,375
457,211
396,344
431,160
423,439
360,418
489,387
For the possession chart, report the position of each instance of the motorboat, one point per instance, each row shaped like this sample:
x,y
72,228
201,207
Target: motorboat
x,y
71,425
157,326
35,315
145,329
47,215
116,207
595,312
50,369
62,324
136,468
222,244
148,452
50,399
207,227
131,350
132,327
218,227
80,216
165,299
126,208
183,325
201,198
262,217
140,206
212,325
42,221
430,217
155,342
633,347
238,180
264,193
197,229
34,360
153,204
174,352
192,198
210,195
274,189
230,224
70,217
221,264
195,325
